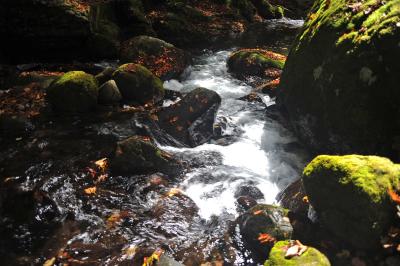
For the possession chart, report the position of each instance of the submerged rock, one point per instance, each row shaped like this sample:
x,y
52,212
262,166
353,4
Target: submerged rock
x,y
339,85
311,257
162,58
350,195
264,221
256,62
74,92
136,83
191,120
137,155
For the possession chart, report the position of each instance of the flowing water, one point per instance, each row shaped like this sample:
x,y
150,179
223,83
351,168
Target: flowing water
x,y
130,215
253,150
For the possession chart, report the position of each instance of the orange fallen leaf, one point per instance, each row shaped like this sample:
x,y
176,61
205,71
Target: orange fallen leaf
x,y
102,164
257,212
90,190
174,192
305,199
394,196
266,238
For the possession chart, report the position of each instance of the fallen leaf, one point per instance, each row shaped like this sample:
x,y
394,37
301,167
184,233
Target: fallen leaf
x,y
50,262
257,212
296,248
90,190
174,192
150,261
266,238
305,199
102,164
394,196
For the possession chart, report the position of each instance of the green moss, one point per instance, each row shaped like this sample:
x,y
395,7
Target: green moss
x,y
350,194
254,62
357,22
138,84
75,91
310,257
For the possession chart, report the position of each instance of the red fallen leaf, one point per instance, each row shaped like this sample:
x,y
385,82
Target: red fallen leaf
x,y
91,171
394,196
266,238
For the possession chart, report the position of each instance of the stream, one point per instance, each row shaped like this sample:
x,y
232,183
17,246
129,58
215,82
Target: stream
x,y
129,216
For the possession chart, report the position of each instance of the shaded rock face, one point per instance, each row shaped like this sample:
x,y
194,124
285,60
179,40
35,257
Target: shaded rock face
x,y
137,84
350,196
74,92
55,30
264,219
311,257
256,62
191,120
137,155
162,58
339,84
109,93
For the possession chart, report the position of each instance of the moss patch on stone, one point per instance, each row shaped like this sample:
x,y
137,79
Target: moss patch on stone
x,y
350,195
75,91
138,84
311,257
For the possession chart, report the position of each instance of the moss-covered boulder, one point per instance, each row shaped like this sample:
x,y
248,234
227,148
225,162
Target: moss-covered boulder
x,y
73,92
311,257
261,222
137,155
256,62
162,58
137,84
350,195
340,82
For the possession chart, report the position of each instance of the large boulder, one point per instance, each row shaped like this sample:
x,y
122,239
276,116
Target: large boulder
x,y
340,82
191,120
137,155
73,92
136,83
55,30
262,226
350,195
311,257
256,62
162,58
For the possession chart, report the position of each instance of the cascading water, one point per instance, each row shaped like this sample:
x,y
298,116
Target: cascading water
x,y
251,151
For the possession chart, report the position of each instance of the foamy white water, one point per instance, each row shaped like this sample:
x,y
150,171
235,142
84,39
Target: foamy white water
x,y
254,157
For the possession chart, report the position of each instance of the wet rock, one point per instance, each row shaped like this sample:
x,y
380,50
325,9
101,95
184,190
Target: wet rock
x,y
74,92
310,257
246,202
255,62
191,120
109,93
162,58
251,97
137,155
105,75
348,101
264,33
136,83
168,261
269,87
350,195
250,191
293,198
268,11
264,219
15,126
